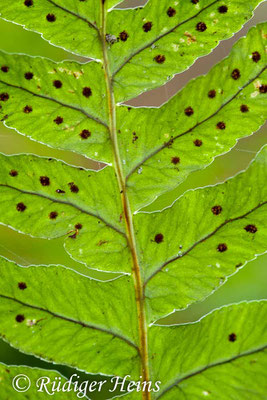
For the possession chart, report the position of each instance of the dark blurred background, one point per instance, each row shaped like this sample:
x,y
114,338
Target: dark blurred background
x,y
249,283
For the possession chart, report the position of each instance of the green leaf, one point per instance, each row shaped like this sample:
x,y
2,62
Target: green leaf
x,y
205,236
44,309
11,375
165,38
49,199
222,356
161,147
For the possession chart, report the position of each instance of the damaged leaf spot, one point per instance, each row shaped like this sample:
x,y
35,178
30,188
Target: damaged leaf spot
x,y
244,108
57,84
135,137
232,337
222,247
4,96
28,3
175,160
13,172
73,188
147,26
21,207
212,94
22,285
189,111
216,210
20,318
123,36
159,238
58,120
87,92
78,226
160,59
263,88
28,75
85,134
171,12
53,215
223,9
201,27
236,74
27,109
251,228
198,143
256,56
51,17
4,68
60,191
194,1
73,236
44,180
221,125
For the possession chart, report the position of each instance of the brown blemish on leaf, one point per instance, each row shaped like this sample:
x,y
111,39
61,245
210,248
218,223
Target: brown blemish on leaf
x,y
201,27
4,96
263,88
222,247
135,137
60,191
78,226
198,142
27,109
160,59
244,108
28,3
20,318
159,238
194,1
22,285
171,12
101,242
175,160
189,111
53,215
73,188
212,94
221,125
44,180
85,134
57,84
58,120
232,337
5,68
28,75
87,92
236,74
223,9
251,228
123,36
256,56
190,38
21,207
147,26
239,265
13,172
50,17
216,210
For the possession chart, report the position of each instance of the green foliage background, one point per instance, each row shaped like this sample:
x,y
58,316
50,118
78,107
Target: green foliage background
x,y
249,284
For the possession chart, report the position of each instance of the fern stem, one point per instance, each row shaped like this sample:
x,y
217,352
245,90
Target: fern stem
x,y
136,273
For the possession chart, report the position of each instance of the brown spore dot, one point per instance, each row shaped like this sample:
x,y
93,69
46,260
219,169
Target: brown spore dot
x,y
57,84
198,142
263,88
4,68
223,9
171,12
28,3
53,215
27,109
256,56
222,247
85,134
87,92
13,172
20,318
232,337
58,120
216,210
50,17
194,1
189,111
201,27
221,125
244,108
22,285
123,36
4,96
147,26
28,75
159,238
73,188
236,74
60,191
212,94
160,59
175,160
78,226
21,207
44,180
251,228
